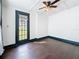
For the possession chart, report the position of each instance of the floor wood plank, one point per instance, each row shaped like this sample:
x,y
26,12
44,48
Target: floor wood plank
x,y
45,49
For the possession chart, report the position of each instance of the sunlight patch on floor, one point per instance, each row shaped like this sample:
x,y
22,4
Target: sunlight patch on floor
x,y
43,42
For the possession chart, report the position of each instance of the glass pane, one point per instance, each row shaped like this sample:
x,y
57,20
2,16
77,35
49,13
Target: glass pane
x,y
22,27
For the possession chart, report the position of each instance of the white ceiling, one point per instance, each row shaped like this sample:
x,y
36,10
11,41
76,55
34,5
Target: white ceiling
x,y
36,4
62,5
27,4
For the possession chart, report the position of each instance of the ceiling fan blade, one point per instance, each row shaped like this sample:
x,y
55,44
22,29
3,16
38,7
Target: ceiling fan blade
x,y
53,6
45,2
55,2
48,3
42,8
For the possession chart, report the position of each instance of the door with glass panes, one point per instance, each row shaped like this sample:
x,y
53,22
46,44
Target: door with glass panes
x,y
22,27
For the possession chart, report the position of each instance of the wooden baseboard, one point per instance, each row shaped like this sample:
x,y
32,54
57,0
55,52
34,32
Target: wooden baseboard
x,y
64,40
38,39
32,40
42,38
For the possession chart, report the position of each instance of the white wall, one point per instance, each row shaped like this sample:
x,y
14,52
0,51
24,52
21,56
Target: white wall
x,y
8,23
1,45
42,25
0,10
65,24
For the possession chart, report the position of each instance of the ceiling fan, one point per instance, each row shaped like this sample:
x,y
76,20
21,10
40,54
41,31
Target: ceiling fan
x,y
49,4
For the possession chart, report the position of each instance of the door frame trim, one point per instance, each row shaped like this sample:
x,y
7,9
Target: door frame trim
x,y
17,26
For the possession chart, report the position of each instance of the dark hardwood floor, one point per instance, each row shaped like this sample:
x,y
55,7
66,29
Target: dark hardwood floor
x,y
45,49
